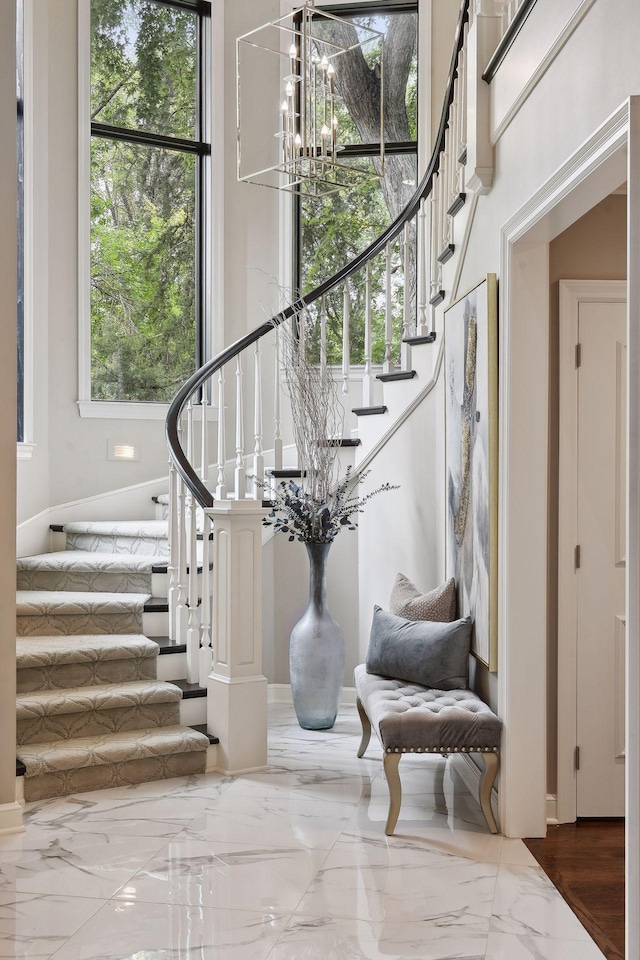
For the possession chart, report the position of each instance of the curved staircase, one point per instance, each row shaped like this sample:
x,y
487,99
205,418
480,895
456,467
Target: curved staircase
x,y
91,711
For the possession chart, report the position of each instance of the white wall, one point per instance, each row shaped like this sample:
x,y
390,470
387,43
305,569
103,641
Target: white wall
x,y
10,816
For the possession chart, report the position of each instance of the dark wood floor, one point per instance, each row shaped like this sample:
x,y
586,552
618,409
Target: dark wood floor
x,y
585,861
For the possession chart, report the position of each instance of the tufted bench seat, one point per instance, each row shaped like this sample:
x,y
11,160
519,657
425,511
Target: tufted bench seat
x,y
410,718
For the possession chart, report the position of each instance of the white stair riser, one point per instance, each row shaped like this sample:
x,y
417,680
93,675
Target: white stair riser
x,y
172,666
193,711
155,624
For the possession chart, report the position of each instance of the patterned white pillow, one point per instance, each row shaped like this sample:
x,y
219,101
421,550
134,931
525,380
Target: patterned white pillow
x,y
407,601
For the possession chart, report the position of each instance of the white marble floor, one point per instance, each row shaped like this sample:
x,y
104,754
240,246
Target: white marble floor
x,y
288,864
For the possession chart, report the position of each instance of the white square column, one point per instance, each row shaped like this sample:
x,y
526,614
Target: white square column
x,y
237,690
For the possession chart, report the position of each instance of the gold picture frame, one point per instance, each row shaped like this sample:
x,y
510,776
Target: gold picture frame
x,y
471,461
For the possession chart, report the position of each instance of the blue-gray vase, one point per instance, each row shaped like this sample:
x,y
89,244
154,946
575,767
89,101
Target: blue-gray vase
x,y
316,652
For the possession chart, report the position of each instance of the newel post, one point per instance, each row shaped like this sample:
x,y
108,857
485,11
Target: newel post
x,y
236,689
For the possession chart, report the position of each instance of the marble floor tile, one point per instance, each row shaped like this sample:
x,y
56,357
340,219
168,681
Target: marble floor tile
x,y
527,904
226,875
288,863
435,831
516,852
509,946
33,926
310,783
275,821
399,880
128,930
46,860
134,816
321,938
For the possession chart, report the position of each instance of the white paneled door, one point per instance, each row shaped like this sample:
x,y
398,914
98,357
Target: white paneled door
x,y
600,559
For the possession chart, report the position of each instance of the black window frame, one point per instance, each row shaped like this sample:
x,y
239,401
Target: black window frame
x,y
358,149
20,425
199,147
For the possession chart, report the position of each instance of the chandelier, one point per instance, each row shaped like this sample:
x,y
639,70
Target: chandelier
x,y
296,140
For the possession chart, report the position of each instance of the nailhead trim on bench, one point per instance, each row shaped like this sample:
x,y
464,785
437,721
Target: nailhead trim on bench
x,y
445,750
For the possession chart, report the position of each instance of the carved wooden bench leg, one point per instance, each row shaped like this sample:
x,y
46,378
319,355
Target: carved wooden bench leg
x,y
366,728
391,761
491,766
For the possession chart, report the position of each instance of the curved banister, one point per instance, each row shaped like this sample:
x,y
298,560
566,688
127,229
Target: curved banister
x,y
198,489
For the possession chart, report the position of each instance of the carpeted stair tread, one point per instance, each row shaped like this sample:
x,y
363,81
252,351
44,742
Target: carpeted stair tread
x,y
49,758
34,652
107,696
88,561
33,603
155,529
86,570
131,537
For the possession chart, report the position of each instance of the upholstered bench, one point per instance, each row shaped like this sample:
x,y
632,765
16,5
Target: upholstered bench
x,y
410,718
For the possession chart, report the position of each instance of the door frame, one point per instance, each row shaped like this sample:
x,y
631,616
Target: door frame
x,y
572,294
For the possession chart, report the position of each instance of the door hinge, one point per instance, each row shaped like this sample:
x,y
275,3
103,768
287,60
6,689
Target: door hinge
x,y
578,354
576,557
576,760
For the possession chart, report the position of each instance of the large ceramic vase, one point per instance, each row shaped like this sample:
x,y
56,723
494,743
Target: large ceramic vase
x,y
316,652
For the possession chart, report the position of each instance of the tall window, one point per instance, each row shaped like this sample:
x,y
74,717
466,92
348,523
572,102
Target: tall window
x,y
149,155
332,231
20,210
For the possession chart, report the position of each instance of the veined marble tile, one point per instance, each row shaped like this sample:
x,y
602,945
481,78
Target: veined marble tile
x,y
516,852
44,860
527,904
321,938
310,784
34,926
226,875
208,786
272,821
399,881
509,946
135,816
436,832
128,930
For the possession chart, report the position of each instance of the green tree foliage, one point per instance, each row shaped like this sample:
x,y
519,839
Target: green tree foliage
x,y
143,202
335,229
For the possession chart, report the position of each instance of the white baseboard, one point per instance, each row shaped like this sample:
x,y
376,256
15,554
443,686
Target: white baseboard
x,y
552,808
281,693
11,818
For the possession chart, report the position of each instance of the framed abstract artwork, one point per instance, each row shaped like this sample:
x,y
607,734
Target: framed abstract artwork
x,y
471,461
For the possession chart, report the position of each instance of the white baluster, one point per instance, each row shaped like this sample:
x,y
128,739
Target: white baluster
x,y
172,569
423,257
193,624
206,652
445,192
452,145
181,595
367,378
346,337
435,238
302,334
462,116
258,456
221,488
323,333
240,477
405,349
193,631
277,437
388,365
204,438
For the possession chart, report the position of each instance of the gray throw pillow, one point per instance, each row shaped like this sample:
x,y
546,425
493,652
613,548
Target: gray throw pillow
x,y
432,654
407,601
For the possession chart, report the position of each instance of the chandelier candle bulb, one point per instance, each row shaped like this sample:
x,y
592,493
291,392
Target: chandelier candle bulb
x,y
293,56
